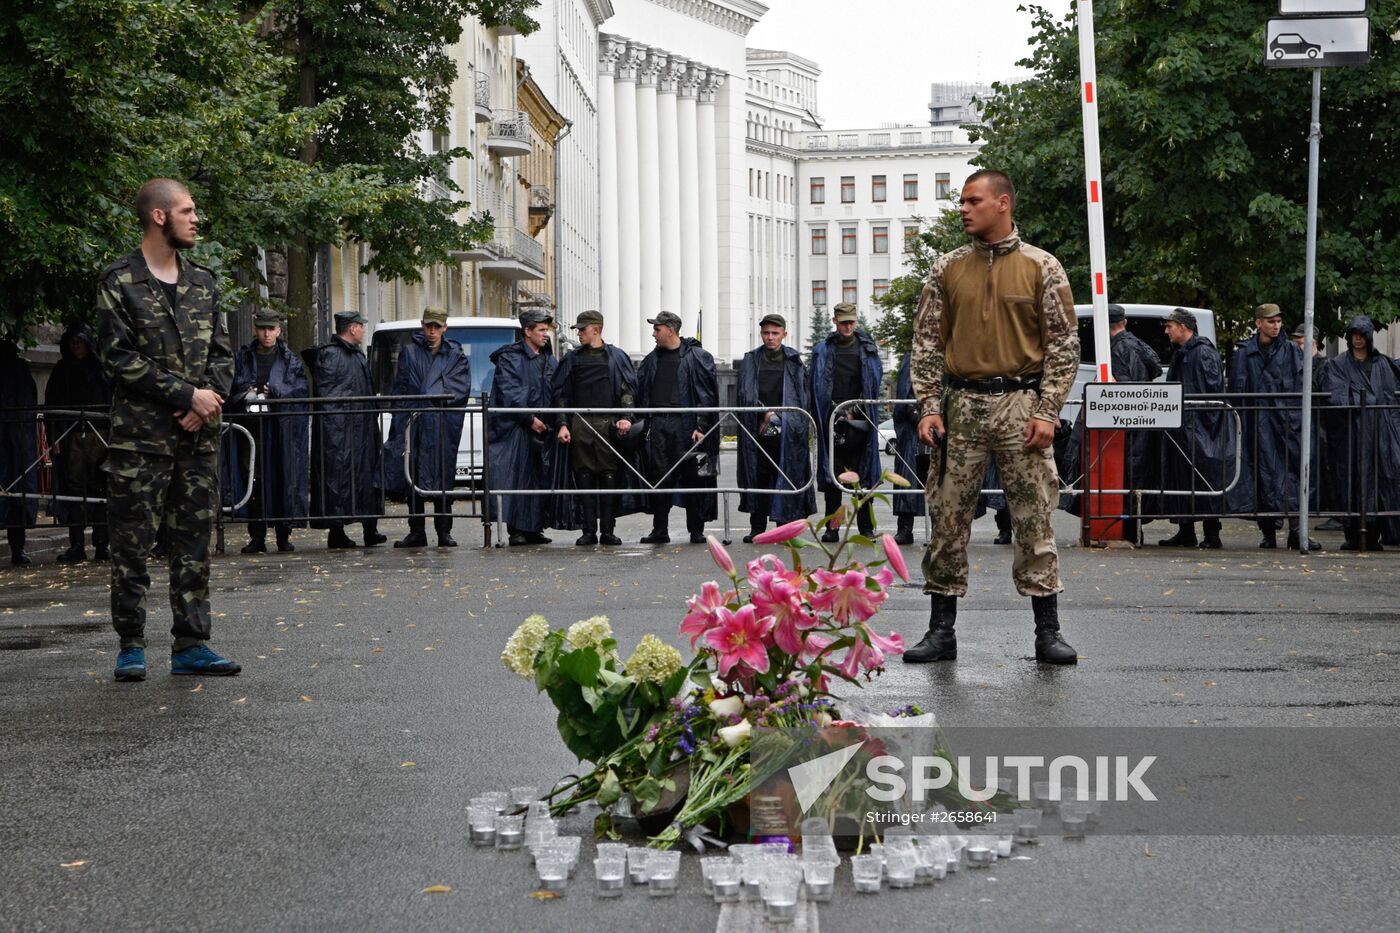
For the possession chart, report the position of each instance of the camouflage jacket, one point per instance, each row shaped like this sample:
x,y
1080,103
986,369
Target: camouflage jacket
x,y
155,356
1003,306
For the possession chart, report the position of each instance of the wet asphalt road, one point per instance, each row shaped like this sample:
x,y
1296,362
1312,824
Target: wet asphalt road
x,y
324,789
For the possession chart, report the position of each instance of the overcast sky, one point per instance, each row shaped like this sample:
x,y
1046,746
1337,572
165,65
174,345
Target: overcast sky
x,y
878,57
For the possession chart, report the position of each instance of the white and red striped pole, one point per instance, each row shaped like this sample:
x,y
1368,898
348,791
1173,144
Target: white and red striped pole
x,y
1093,182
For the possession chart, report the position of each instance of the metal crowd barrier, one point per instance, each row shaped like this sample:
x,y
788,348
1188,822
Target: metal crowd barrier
x,y
649,487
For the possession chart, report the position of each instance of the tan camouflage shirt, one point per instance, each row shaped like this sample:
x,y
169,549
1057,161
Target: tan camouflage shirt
x,y
998,309
156,355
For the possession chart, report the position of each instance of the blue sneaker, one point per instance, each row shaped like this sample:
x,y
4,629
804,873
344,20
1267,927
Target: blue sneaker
x,y
131,664
198,659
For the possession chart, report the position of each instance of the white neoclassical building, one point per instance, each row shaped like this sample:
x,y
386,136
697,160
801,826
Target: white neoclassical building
x,y
781,98
672,202
861,193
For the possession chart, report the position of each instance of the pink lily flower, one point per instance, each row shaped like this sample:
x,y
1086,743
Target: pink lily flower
x,y
869,656
849,478
740,641
814,646
781,533
895,556
720,555
704,611
774,595
846,596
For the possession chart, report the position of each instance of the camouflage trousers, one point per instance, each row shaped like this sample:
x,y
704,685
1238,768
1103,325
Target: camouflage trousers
x,y
146,493
976,424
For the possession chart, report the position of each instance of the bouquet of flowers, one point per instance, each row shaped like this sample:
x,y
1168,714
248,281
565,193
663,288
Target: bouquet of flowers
x,y
768,644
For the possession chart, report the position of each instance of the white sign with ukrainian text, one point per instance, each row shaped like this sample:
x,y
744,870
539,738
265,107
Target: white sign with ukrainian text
x,y
1129,406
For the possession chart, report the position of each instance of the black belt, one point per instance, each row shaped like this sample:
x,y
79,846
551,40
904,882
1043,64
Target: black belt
x,y
997,385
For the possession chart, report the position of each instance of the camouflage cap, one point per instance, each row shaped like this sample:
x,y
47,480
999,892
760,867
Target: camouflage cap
x,y
344,319
435,316
1301,331
588,317
775,319
532,316
1184,318
1117,313
845,311
667,319
1266,311
266,317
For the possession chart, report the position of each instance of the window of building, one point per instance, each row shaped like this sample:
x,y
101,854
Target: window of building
x,y
750,182
910,139
818,190
881,286
818,241
877,188
878,139
911,233
848,290
848,240
819,292
942,186
880,239
911,187
816,142
848,189
847,141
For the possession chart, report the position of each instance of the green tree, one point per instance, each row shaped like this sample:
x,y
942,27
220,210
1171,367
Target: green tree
x,y
95,97
388,70
896,325
820,327
1205,160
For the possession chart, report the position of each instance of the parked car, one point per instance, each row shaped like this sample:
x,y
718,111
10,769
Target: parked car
x,y
480,337
1145,321
887,441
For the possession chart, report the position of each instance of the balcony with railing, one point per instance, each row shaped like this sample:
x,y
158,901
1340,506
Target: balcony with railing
x,y
483,97
518,256
541,208
510,133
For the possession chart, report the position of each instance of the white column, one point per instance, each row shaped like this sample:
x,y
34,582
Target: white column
x,y
709,208
628,313
610,51
686,129
670,164
649,177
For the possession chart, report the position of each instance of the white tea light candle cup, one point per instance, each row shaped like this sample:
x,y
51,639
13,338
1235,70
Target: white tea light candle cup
x,y
742,852
637,857
554,872
725,880
773,848
497,798
1074,818
523,796
1027,823
663,873
481,823
707,865
611,873
536,810
1046,803
510,832
866,871
900,866
780,897
753,872
820,878
612,850
815,826
1004,845
980,854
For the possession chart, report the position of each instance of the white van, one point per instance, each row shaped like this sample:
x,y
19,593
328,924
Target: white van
x,y
1145,322
479,337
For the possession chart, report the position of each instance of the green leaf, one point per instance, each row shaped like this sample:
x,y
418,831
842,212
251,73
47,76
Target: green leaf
x,y
581,666
610,789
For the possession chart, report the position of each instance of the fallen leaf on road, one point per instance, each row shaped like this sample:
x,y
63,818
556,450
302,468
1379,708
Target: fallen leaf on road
x,y
78,864
305,698
544,895
1169,592
409,764
240,701
199,688
1147,851
435,889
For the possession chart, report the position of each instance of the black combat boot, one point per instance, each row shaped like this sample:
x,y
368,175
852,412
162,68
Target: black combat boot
x,y
607,512
941,642
904,530
1050,648
1003,518
1185,537
1268,535
588,510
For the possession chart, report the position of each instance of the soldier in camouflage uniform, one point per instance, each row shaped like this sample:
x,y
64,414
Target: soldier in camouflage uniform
x,y
996,348
165,348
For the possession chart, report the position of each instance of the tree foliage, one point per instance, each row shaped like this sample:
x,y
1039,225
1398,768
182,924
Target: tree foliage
x,y
900,303
1205,160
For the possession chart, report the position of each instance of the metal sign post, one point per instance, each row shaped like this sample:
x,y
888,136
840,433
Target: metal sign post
x,y
1307,37
1093,183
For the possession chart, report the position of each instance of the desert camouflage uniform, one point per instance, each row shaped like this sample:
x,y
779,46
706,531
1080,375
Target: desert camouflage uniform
x,y
155,356
971,280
